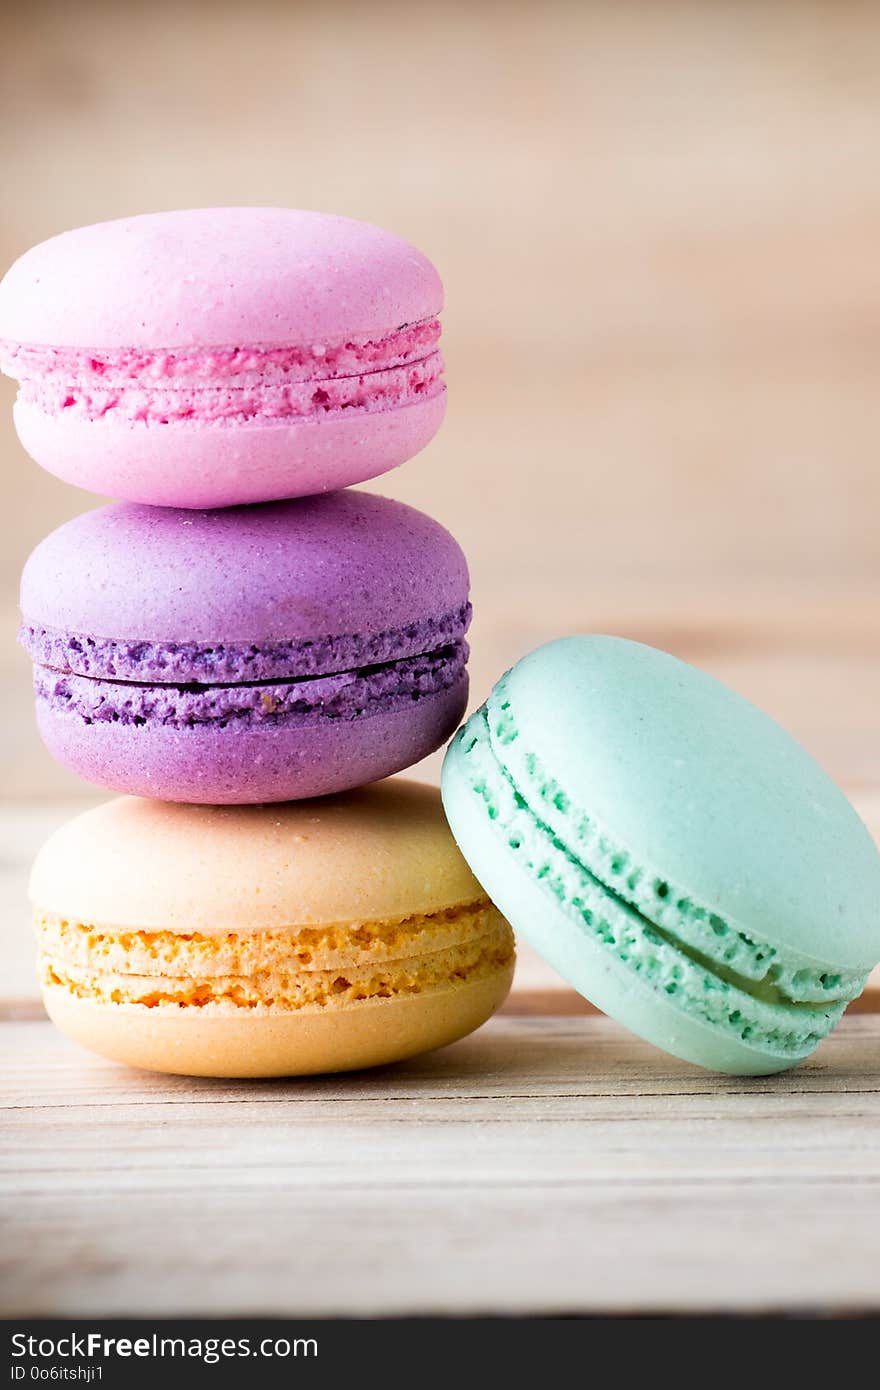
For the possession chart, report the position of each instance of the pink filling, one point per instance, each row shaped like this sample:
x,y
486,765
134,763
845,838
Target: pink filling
x,y
231,402
231,384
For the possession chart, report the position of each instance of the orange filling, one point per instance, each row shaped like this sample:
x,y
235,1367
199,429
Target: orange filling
x,y
315,967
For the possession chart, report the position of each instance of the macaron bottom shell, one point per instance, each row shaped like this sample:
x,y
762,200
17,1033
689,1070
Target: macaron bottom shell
x,y
306,1042
222,465
600,976
210,764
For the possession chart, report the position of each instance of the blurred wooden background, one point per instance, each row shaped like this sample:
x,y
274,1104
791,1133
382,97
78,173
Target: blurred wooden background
x,y
658,226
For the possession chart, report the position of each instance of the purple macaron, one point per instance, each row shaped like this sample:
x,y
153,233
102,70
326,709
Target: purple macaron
x,y
263,653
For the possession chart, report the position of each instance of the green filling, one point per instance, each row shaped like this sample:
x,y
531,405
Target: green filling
x,y
755,1011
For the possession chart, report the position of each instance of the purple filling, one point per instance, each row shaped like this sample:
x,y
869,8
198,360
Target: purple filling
x,y
231,663
343,695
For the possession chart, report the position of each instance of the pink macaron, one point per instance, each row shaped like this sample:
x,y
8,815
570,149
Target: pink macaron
x,y
223,355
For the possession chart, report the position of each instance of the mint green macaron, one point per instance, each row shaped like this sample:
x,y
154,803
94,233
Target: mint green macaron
x,y
670,850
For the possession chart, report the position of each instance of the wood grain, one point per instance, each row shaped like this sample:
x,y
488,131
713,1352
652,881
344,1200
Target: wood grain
x,y
540,1166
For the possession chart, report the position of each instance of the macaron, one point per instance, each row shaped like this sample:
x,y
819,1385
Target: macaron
x,y
673,852
223,355
266,940
264,653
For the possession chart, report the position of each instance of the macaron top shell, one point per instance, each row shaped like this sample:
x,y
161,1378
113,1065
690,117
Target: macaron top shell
x,y
346,562
701,795
380,852
217,276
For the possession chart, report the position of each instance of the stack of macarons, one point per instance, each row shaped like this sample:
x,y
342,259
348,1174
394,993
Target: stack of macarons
x,y
239,646
237,636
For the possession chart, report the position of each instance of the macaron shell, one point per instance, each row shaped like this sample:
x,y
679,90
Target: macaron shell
x,y
216,277
375,853
209,763
217,466
702,789
295,1044
348,563
590,969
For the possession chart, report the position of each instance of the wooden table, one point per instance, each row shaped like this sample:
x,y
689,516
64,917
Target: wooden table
x,y
544,1165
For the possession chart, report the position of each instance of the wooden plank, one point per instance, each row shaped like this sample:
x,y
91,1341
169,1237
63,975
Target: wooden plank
x,y
539,1166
